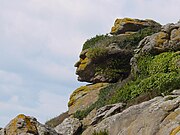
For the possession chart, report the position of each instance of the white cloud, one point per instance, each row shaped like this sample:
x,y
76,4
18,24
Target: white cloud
x,y
49,105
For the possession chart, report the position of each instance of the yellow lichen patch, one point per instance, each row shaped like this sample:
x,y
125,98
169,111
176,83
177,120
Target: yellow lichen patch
x,y
172,116
160,38
118,24
27,126
83,90
175,131
83,63
175,34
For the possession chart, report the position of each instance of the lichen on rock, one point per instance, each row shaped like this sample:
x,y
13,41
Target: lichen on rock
x,y
131,25
84,96
26,125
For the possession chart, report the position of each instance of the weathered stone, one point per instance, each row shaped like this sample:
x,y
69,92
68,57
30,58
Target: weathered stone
x,y
176,92
159,116
70,126
124,25
107,111
168,39
87,121
168,27
84,96
25,125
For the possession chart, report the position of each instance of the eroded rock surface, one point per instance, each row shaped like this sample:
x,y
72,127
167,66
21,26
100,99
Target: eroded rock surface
x,y
84,96
159,116
70,126
107,111
131,25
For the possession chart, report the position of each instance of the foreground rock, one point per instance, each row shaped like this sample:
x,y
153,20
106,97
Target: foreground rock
x,y
159,116
25,125
107,111
70,126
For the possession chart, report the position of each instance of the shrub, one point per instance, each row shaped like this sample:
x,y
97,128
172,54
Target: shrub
x,y
57,120
163,63
123,41
91,42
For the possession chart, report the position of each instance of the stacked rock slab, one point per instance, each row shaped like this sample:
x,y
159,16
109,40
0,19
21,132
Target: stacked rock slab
x,y
159,116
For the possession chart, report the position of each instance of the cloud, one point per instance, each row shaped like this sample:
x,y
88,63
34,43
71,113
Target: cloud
x,y
49,105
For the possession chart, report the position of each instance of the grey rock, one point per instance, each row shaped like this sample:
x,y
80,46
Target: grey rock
x,y
107,111
176,92
169,27
26,125
165,40
70,126
159,116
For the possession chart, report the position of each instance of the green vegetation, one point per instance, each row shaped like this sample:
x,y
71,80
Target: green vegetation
x,y
57,120
123,41
158,83
97,52
157,74
162,63
91,42
114,67
100,133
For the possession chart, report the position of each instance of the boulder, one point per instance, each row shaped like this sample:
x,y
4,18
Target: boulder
x,y
70,126
125,25
84,96
160,116
107,111
26,125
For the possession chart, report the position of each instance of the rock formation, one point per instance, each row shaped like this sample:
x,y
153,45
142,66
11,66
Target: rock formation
x,y
135,85
159,116
25,125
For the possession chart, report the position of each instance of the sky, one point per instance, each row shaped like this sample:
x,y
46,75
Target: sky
x,y
40,41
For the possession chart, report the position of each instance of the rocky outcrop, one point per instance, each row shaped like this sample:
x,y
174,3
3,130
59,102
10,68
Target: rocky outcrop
x,y
168,39
134,75
25,125
107,111
159,116
84,96
70,126
125,25
106,58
